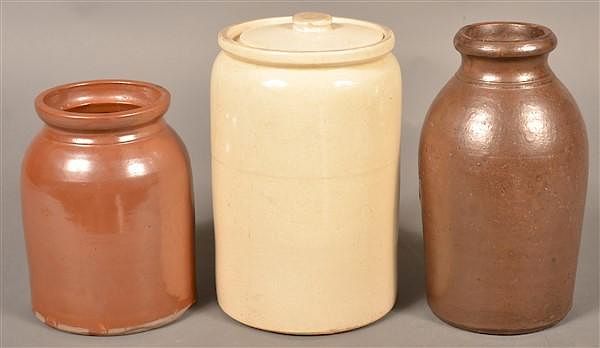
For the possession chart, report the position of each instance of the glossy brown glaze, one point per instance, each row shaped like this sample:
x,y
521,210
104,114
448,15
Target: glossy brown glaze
x,y
503,170
107,210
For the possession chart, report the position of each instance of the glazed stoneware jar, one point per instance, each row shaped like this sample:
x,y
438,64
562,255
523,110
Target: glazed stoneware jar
x,y
305,125
503,170
107,210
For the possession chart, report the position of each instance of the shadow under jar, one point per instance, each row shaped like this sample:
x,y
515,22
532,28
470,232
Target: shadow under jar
x,y
107,210
503,170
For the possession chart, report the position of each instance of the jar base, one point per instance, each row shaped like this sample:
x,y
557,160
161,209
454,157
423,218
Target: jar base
x,y
499,332
308,333
116,331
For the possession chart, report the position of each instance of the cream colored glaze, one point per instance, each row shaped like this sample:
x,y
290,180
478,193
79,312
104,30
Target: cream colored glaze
x,y
310,32
305,192
294,47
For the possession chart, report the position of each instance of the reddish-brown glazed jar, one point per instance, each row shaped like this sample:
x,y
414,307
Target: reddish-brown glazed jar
x,y
503,169
107,210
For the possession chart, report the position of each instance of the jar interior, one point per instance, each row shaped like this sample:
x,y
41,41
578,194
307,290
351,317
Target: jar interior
x,y
102,97
100,108
504,32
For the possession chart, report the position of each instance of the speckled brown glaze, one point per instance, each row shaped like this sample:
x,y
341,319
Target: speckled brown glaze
x,y
503,169
107,210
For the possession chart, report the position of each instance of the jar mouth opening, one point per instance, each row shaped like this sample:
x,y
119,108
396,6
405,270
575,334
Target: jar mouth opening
x,y
102,104
504,39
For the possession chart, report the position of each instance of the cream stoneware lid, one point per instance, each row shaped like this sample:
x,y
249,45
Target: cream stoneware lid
x,y
307,38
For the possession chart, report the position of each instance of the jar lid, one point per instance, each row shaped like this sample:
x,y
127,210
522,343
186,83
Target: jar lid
x,y
307,38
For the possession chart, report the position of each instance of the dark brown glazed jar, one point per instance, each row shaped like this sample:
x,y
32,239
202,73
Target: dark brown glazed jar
x,y
107,210
503,168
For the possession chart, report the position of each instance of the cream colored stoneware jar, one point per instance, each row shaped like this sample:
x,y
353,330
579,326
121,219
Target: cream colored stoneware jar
x,y
305,126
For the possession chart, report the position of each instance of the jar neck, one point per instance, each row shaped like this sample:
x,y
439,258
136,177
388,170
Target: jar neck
x,y
508,70
104,137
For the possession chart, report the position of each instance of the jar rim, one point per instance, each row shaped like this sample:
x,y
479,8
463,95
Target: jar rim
x,y
228,40
504,39
100,105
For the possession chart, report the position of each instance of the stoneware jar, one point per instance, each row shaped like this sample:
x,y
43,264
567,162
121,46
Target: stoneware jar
x,y
107,210
305,125
503,170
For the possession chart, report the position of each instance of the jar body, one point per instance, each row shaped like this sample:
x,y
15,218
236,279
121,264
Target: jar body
x,y
109,228
503,171
305,192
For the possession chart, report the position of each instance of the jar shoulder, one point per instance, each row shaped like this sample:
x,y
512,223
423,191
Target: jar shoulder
x,y
228,71
48,160
527,120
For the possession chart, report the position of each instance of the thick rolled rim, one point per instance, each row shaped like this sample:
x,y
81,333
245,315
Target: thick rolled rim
x,y
504,39
151,101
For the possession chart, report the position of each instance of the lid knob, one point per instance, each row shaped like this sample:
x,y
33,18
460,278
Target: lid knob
x,y
311,21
